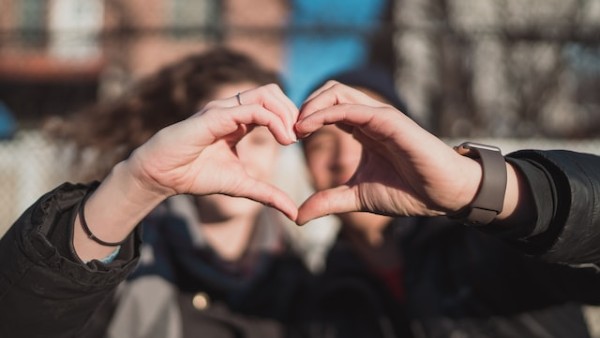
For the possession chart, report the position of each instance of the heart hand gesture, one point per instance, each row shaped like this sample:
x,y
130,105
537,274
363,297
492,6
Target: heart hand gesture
x,y
403,171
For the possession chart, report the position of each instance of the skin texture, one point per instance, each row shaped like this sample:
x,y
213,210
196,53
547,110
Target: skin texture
x,y
183,159
258,152
332,156
403,170
395,174
227,222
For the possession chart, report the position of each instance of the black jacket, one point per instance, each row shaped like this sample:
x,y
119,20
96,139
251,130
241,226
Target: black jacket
x,y
484,282
44,293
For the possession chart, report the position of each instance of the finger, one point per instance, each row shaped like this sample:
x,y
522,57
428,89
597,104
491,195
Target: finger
x,y
235,137
272,98
334,93
326,202
382,124
324,97
294,112
225,121
354,115
267,194
324,87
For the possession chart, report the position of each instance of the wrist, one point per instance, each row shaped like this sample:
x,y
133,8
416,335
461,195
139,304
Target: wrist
x,y
518,203
471,174
139,177
112,211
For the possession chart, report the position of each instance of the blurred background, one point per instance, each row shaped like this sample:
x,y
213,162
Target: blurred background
x,y
526,72
510,72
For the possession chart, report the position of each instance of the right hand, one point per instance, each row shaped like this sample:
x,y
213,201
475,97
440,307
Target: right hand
x,y
404,170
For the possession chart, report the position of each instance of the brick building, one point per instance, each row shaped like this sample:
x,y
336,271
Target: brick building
x,y
54,49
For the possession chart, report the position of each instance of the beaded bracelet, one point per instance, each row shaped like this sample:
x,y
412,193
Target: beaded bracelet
x,y
86,228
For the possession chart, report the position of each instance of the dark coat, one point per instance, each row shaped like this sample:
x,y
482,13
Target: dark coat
x,y
485,282
46,292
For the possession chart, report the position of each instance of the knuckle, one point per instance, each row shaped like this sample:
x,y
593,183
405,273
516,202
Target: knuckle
x,y
332,83
272,87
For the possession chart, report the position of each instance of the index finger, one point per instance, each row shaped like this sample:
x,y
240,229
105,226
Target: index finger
x,y
274,99
378,121
335,93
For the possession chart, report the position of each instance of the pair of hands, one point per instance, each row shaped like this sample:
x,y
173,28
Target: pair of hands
x,y
404,170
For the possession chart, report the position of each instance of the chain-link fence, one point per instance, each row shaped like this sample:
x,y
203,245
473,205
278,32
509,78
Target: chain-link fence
x,y
467,68
505,68
29,167
523,74
500,68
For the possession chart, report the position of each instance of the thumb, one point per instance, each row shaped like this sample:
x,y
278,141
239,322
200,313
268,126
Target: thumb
x,y
331,201
269,195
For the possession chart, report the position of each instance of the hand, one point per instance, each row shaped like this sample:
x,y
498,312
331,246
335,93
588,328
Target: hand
x,y
404,170
198,156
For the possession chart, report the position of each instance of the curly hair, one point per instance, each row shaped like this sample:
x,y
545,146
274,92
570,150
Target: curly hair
x,y
112,130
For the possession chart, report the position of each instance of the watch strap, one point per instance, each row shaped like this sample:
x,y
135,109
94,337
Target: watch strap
x,y
489,200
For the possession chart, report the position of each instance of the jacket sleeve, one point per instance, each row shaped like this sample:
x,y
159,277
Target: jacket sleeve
x,y
567,203
44,290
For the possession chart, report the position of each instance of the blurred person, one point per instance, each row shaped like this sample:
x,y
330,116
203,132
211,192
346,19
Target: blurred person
x,y
427,276
57,267
215,264
109,131
63,260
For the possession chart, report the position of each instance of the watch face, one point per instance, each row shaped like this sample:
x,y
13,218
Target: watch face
x,y
466,148
471,145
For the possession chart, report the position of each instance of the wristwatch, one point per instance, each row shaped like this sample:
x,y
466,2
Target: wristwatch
x,y
489,199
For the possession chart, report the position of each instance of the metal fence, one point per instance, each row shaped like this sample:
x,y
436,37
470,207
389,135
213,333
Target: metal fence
x,y
30,166
525,74
501,68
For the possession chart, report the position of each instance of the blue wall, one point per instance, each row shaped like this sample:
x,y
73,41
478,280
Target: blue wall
x,y
312,54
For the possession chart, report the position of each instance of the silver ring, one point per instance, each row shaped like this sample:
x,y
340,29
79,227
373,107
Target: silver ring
x,y
237,96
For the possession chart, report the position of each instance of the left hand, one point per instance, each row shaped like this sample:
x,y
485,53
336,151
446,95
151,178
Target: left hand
x,y
198,156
